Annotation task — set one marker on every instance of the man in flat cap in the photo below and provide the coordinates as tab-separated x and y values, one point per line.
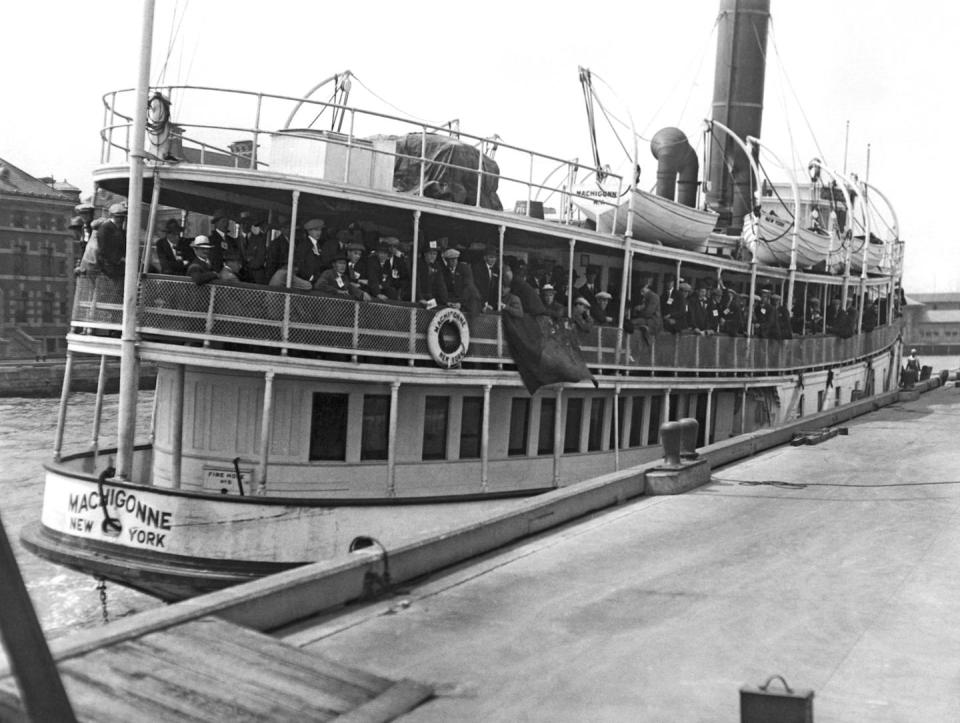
599	309
555	309
388	272
461	292
336	281
111	243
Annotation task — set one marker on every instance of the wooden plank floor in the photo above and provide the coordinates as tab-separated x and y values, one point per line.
211	670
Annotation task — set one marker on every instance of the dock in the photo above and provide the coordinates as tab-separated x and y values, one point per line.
829	564
832	565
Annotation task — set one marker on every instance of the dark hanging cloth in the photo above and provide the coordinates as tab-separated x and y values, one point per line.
544	352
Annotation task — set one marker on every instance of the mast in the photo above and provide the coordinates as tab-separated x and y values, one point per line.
737	104
129	376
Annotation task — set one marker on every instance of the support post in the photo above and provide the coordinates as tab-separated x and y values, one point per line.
129	376
485	440
62	411
265	430
558	436
176	432
392	440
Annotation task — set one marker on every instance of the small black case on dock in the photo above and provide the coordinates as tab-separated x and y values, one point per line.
762	704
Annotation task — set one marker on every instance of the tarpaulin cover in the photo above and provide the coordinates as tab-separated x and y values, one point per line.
544	352
455	182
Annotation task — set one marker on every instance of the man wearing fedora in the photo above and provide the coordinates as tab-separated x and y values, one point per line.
253	248
174	251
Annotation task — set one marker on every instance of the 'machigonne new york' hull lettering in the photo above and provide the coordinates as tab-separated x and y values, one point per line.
121	500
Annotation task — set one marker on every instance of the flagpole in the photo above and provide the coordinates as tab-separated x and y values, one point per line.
129	376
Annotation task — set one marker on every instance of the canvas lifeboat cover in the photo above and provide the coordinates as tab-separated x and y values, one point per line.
450	173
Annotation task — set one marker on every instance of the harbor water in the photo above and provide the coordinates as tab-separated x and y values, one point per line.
64	600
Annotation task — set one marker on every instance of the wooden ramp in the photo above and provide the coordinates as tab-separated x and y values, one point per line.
211	670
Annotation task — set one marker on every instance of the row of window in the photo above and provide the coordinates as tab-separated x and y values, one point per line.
328	435
18	309
934	333
22	263
42	221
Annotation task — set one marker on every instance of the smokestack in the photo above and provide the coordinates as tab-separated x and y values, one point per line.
738	104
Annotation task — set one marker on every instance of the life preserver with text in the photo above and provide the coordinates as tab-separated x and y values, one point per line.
448	337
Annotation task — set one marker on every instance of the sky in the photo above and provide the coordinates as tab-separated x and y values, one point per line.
510	68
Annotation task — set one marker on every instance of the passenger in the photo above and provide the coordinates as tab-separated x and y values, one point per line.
646	314
529	298
253	249
669	296
308	256
582	318
814	318
201	269
716	304
279	279
870	315
833	311
731	313
357	268
224	245
510	303
461	292
677	318
278	244
698	312
599	308
761	311
844	322
380	282
85	212
431	290
174	251
554	309
112	243
589	289
396	268
331	247
486	277
336	281
784	325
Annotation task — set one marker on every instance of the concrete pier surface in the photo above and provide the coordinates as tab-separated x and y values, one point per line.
836	566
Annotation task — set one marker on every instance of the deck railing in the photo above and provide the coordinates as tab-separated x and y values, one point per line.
241	129
263	319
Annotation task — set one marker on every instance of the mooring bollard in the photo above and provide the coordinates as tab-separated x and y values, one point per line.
670	439
689	429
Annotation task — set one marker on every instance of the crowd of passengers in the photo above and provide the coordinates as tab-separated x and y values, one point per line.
361	264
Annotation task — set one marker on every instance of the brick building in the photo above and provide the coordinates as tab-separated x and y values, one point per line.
932	323
36	264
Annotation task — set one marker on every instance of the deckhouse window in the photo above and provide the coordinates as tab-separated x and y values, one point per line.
328	430
653	433
519	419
595	438
636	422
548	415
374	437
471	422
436	413
571	437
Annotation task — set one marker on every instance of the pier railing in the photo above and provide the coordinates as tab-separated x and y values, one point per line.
267	320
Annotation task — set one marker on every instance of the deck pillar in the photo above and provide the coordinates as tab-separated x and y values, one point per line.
264	429
62	413
392	441
485	439
176	431
558	436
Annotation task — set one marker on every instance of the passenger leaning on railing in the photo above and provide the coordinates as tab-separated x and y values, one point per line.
431	290
336	281
308	251
253	249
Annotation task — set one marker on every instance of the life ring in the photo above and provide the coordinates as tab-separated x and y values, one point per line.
448	337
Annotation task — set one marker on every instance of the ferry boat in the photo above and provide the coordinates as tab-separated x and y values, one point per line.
293	426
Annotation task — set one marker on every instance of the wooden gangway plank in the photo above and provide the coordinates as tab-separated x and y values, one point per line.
208	669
